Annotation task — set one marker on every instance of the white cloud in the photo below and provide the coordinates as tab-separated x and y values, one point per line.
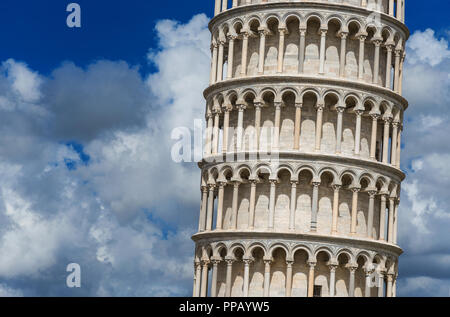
426	48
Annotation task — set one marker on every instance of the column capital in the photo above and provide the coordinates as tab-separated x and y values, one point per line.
372	193
294	183
342	34
323	31
336	187
316	184
340	109
212	186
333	266
248	260
277	104
205	262
258	104
389	46
377	41
375	116
283	30
289	262
232	37
204	189
387	120
299	105
229	260
320	106
352	267
312	264
355	189
264	32
241	106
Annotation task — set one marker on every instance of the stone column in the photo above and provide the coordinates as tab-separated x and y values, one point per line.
399	146
301	53
258	106
359	114
251	216
198	278
387	124
376	65
204	290
244	53
368	272
226	123
289	278
333	268
215	145
340	114
355	192
315	206
224	5
397	204
394	143
202	220
362	40
219	220
262	50
389	285
267	263
209	130
293	206
373	138
235	205
382	217
297	127
394	287
231	39
319	126
372	194
343	36
240	127
217	7
391	220
391	7
311	277
281	50
229	262
272	203
400	88
381	284
276	137
214	64
209	217
388	66
399	10
397	70
220	62
336	189
323	36
351	290
246	275
215	263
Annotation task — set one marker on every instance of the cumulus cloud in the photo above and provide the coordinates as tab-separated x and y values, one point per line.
87	175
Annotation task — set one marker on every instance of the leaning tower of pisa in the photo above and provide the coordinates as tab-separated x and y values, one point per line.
300	181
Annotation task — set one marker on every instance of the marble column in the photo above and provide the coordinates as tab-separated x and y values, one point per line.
311	277
251	216
262	50
382	217
245	36
319	122
367	289
246	275
219	224
340	114
394	143
289	278
355	192
351	287
342	57
391	220
315	206
202	221
220	61
277	124
214	63
397	70
293	206
336	189
272	204
240	128
387	125
397	204
235	205
381	284
376	63
229	275
388	65
204	289
258	106
226	124
399	146
359	114
215	264
267	264
373	138
362	41
231	39
389	285
198	279
297	127
282	32
209	131
372	194
323	36
301	53
333	268
209	216
215	143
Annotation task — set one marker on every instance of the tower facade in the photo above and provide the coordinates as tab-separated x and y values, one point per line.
300	181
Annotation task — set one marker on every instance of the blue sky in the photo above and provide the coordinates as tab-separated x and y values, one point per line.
85	122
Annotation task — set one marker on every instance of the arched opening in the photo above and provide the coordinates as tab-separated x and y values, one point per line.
312	47
287	121
308	124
